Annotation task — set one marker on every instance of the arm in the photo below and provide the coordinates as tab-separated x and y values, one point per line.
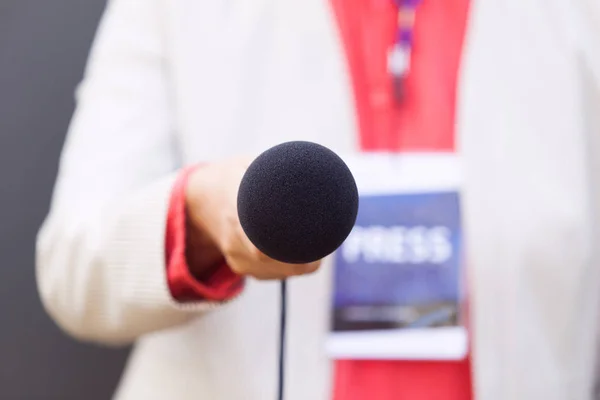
100	253
101	262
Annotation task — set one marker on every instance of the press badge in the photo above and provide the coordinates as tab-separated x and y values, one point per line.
398	276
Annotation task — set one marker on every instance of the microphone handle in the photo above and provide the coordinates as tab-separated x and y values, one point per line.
282	322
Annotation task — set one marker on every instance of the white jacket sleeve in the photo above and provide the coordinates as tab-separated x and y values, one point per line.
100	252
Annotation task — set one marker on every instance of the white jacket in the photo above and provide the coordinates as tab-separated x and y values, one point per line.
161	91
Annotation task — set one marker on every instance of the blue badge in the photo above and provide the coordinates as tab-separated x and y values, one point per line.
397	280
399	268
398	276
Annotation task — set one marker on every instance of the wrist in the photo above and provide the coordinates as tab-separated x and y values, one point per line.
197	203
202	252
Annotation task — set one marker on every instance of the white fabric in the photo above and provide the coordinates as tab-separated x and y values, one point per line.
175	82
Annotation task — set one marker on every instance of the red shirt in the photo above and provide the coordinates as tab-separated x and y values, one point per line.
424	122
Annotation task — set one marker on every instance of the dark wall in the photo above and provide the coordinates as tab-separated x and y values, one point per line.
43	47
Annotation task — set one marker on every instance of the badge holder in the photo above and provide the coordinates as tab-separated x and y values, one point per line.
398	277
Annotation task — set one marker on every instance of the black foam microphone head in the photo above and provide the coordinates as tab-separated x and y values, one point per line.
297	202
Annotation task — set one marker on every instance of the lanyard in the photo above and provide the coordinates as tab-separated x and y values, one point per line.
398	63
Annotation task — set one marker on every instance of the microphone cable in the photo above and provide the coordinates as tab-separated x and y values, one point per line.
282	322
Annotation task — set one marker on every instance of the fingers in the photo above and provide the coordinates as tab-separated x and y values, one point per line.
278	270
264	268
246	259
301	269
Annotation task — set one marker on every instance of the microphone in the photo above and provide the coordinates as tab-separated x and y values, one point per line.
297	202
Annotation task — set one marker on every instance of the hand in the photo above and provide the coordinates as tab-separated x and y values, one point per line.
212	212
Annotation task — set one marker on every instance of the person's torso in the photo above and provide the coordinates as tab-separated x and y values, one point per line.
248	74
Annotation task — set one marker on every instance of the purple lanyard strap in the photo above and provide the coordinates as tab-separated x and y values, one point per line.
399	54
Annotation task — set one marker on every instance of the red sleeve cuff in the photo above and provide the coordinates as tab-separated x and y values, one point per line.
222	284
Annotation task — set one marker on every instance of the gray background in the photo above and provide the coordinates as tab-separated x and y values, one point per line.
43	47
